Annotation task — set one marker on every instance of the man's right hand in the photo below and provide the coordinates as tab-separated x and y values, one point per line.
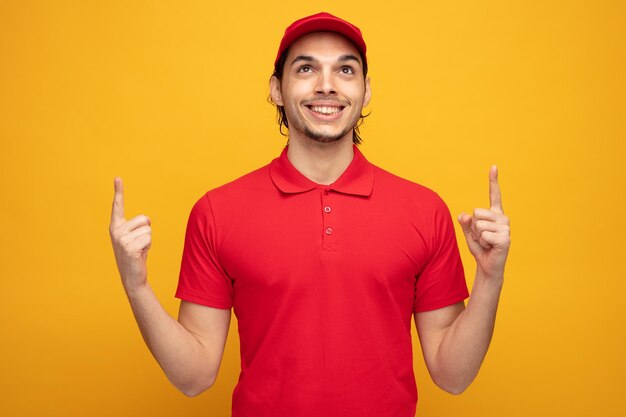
131	241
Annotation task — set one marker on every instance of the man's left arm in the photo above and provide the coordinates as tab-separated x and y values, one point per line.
455	338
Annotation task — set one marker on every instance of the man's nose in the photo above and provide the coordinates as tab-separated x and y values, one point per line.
326	82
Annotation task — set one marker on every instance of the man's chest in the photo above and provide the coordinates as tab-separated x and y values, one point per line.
352	242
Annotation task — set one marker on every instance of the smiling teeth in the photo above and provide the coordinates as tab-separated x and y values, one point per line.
325	110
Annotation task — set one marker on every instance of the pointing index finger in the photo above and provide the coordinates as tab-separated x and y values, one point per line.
495	198
117	212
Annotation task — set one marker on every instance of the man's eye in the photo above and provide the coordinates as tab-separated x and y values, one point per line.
304	68
347	70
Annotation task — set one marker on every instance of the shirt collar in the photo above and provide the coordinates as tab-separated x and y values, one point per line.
357	179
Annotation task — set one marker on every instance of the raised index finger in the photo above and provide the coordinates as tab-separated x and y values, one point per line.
117	212
495	198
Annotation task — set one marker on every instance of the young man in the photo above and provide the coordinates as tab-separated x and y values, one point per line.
324	259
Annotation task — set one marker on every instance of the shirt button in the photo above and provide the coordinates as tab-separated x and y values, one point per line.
329	231
327	209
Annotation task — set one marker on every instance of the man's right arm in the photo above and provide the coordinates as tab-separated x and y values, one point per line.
188	350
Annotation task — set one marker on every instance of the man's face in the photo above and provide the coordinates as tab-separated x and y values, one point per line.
323	89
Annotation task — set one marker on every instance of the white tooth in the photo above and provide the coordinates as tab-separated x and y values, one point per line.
325	109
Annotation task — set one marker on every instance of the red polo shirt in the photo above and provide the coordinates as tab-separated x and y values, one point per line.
324	280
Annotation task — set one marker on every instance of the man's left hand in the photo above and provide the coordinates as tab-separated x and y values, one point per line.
487	233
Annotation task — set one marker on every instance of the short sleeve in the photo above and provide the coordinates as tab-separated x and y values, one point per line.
442	280
202	278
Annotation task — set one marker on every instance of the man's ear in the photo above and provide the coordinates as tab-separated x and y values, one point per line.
368	92
275	93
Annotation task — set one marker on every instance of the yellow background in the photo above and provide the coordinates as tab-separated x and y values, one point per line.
172	97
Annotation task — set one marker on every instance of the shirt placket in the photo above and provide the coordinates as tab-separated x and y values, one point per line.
329	224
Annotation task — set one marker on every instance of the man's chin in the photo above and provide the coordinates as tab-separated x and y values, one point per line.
323	137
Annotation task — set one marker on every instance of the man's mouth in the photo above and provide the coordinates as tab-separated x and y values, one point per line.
326	110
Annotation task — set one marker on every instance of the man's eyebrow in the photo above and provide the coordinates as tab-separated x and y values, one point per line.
306	58
349	57
342	58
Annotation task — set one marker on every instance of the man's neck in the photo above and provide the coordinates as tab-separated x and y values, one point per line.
322	163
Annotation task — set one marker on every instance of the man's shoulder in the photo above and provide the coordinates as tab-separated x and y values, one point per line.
403	188
244	188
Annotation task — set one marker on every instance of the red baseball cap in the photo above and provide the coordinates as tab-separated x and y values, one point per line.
321	22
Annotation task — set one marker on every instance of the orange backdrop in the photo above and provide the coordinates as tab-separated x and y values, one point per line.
172	97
